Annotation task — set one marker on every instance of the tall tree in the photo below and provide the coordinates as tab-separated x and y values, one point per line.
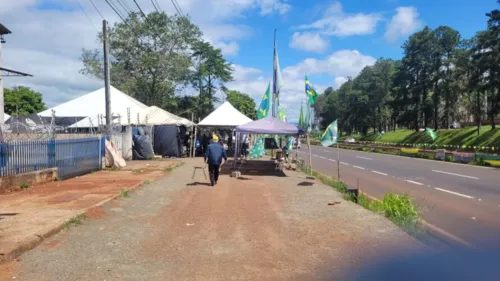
447	43
22	100
150	56
213	71
243	102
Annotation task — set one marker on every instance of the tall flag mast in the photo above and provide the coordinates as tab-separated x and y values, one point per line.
277	81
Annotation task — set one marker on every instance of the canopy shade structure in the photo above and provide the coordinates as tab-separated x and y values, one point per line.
154	115
270	125
225	116
93	104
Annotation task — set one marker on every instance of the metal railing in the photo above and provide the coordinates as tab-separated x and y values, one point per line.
72	157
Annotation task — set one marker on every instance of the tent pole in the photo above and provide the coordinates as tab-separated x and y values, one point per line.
235	156
193	143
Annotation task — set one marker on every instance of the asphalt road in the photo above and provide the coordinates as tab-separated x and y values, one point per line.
463	201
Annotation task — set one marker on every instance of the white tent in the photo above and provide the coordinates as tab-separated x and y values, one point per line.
5	117
92	105
154	115
225	116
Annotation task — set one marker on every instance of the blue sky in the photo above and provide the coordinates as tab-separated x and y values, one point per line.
328	40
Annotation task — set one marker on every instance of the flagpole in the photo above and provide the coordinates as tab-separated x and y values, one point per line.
274	76
338	153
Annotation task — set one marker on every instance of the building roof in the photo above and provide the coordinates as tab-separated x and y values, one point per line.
225	116
93	104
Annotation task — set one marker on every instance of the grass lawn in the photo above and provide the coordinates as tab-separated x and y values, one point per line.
465	136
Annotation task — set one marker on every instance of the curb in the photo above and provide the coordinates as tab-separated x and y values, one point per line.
35	240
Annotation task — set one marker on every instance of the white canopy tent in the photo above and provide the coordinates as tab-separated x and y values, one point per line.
225	116
154	115
93	105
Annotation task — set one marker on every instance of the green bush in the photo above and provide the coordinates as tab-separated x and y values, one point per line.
400	209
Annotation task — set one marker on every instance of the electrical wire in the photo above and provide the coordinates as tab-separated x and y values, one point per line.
113	8
177	8
152	2
157	5
97	9
140	10
83	10
124	6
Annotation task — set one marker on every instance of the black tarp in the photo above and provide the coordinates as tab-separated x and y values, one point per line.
167	141
142	149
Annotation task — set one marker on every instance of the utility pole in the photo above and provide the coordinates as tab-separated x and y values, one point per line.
1	89
107	94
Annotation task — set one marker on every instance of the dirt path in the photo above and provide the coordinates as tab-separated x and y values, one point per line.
260	228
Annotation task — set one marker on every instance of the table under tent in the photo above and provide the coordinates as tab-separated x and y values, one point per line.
266	126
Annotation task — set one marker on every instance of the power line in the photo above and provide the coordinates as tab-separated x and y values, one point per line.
124	6
113	8
96	9
157	5
83	10
153	2
140	10
177	8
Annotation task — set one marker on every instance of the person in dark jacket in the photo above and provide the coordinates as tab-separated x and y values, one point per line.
213	156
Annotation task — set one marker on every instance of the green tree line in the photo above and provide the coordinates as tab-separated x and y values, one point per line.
442	78
156	56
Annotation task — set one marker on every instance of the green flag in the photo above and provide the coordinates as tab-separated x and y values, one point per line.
310	92
282	114
263	110
301	118
431	133
329	136
307	119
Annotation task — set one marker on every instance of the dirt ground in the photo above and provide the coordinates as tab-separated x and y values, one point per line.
261	227
28	216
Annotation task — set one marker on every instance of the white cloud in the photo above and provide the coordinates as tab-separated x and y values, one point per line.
48	42
308	41
403	23
336	22
339	65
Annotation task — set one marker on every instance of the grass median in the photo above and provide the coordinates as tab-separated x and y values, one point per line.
399	208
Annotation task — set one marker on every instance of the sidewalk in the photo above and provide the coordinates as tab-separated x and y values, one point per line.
30	216
262	226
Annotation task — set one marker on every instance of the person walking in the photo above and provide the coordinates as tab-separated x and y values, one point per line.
213	157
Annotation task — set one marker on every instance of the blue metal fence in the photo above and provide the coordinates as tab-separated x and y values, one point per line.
72	157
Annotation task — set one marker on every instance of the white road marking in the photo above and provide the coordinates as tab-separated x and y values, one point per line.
453	174
326	150
366	158
473	218
414	182
453	192
333	160
322	157
383	174
358	167
343	163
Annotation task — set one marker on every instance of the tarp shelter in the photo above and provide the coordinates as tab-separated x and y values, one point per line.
168	140
93	104
154	115
225	116
268	125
